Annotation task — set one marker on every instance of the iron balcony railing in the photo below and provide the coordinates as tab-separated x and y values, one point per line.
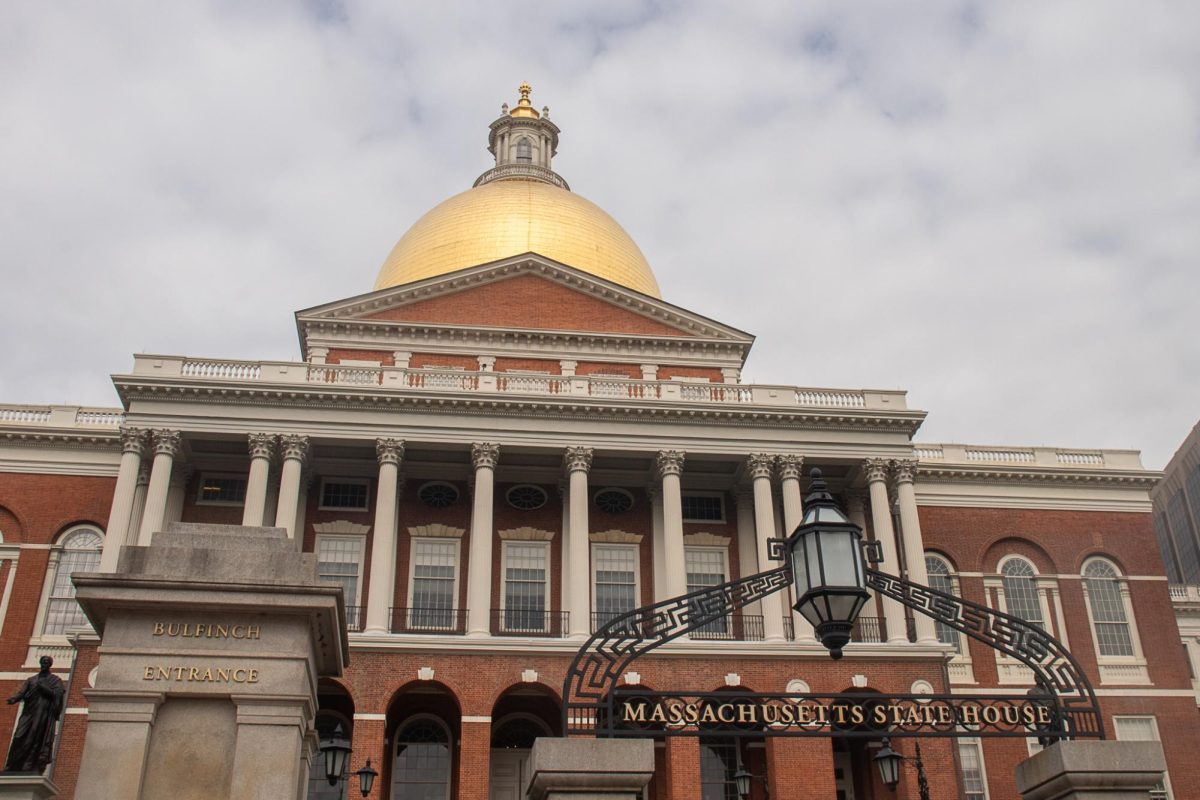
867	629
429	620
527	622
354	618
733	627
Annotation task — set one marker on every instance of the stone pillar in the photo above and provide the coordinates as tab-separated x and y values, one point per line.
117	744
26	786
905	471
881	520
759	466
578	461
180	475
117	533
793	513
166	447
262	448
1087	770
294	450
747	541
658	543
669	466
139	496
564	496
856	512
590	769
484	457
683	768
801	762
270	746
474	759
381	585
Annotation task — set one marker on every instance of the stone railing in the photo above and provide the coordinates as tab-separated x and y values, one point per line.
61	416
1027	456
516	383
522	171
1185	593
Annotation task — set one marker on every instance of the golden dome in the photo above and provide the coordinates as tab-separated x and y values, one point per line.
507	218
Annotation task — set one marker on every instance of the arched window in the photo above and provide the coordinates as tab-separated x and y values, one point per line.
80	553
1107	606
524	151
421	770
1021	592
939	572
328	724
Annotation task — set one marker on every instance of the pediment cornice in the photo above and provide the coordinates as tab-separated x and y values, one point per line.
1136	479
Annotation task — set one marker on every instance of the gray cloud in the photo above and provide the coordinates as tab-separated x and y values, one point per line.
993	207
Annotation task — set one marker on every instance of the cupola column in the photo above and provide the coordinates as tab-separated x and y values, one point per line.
905	472
166	447
262	448
760	465
669	466
381	586
578	461
116	536
484	457
881	521
294	449
793	512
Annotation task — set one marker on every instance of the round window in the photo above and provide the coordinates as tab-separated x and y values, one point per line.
614	501
526	497
437	494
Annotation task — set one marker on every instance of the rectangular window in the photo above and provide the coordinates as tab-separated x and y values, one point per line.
525	569
62	611
703	508
221	490
434	585
706	568
1142	729
970	756
344	494
339	560
614	579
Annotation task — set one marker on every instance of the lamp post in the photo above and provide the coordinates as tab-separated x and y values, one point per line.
336	749
891	764
825	552
366	778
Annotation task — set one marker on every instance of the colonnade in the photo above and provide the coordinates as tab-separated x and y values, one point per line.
143	498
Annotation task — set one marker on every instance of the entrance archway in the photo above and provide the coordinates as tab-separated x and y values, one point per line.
423	729
521	715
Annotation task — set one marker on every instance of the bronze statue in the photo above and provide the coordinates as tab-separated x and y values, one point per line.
33	742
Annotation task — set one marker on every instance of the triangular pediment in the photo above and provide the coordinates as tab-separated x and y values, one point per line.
528	292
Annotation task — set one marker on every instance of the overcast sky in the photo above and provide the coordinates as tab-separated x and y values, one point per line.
994	206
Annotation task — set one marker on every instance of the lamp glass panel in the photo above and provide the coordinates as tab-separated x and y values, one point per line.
840	552
800	568
812	552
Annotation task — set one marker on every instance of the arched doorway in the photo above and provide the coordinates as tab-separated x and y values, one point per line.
335	716
520	716
423	728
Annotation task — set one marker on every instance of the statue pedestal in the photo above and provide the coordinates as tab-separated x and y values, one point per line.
590	769
26	786
212	641
1092	771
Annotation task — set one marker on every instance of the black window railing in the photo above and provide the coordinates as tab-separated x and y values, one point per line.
354	618
867	629
429	620
529	622
789	628
733	628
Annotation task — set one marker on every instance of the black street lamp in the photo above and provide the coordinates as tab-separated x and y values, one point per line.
741	779
366	778
891	764
336	750
826	557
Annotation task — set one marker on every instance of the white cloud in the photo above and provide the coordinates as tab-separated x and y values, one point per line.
1001	199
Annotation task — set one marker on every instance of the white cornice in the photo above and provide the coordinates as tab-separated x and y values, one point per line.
1132	479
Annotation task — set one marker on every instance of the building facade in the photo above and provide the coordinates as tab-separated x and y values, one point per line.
512	439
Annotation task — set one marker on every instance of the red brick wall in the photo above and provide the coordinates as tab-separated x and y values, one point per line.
337	355
434	360
666	372
526	301
592	367
531	364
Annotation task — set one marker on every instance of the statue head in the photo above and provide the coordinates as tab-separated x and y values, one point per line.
47	662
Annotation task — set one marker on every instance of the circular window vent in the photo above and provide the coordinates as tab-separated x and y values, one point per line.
437	495
526	497
614	501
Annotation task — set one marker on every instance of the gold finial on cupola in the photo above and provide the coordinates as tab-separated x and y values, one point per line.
524	107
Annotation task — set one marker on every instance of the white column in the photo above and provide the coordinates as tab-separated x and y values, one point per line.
139	496
856	512
881	520
658	543
180	475
759	466
793	512
166	447
1192	644
669	466
578	461
262	448
381	585
117	533
747	541
564	495
479	573
294	450
914	545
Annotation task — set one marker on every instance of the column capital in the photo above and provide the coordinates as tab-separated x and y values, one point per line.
578	459
856	500
790	467
293	447
760	465
904	470
668	462
389	451
876	469
262	445
167	442
485	455
133	440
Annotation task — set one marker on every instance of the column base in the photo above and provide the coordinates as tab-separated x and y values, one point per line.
26	786
590	769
